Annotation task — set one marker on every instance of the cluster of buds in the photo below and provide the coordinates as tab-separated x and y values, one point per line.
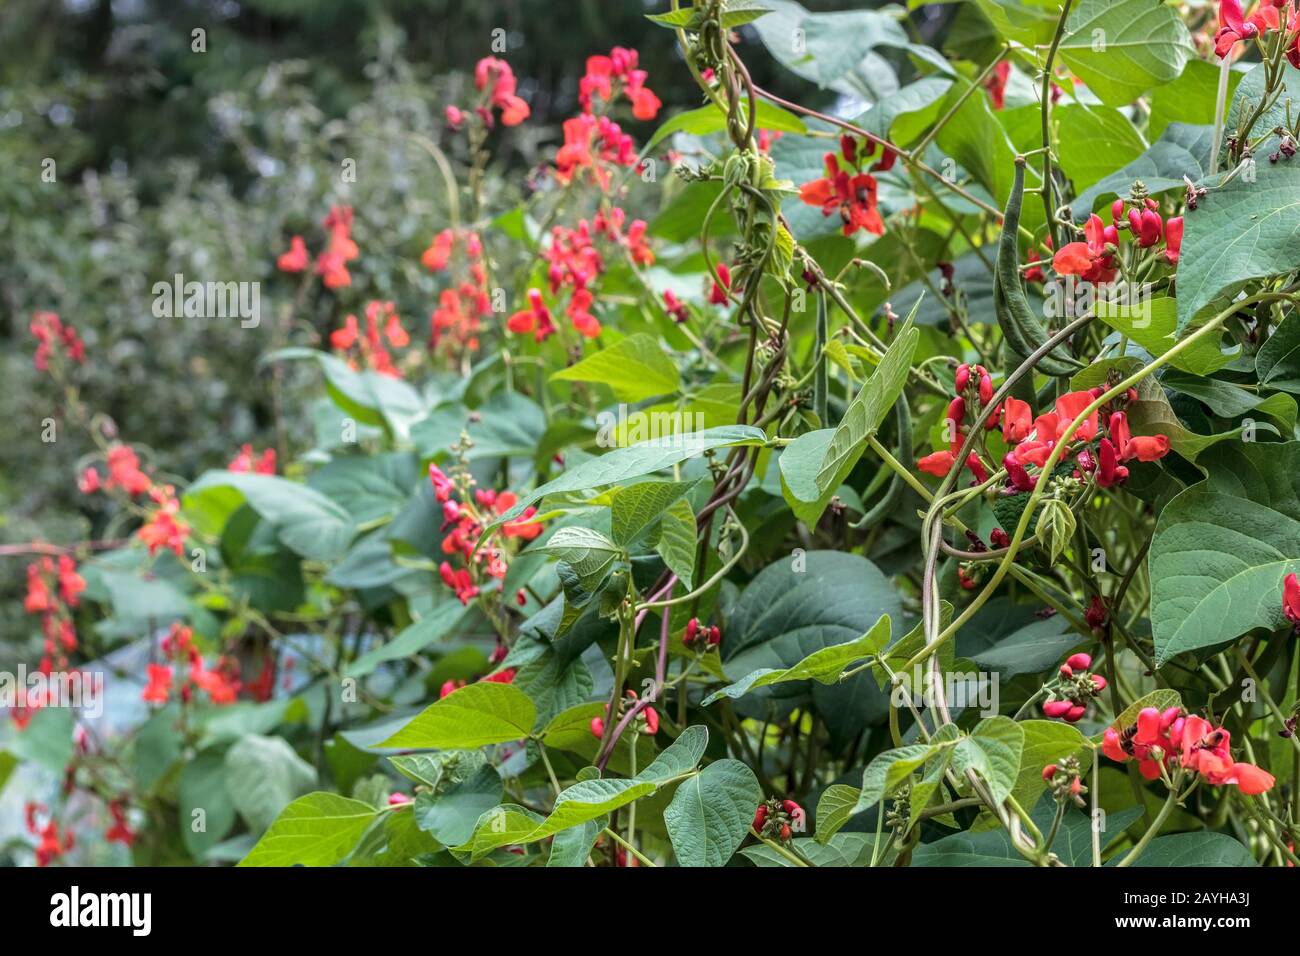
1065	781
1071	692
332	263
51	845
220	683
52	592
454	325
54	338
1285	149
974	388
370	349
708	637
645	722
779	819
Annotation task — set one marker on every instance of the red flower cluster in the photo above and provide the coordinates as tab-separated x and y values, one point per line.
779	818
1234	26
607	76
1115	446
1171	739
120	831
494	78
973	385
162	529
1070	694
52	335
645	722
264	464
52	591
455	322
220	683
852	196
996	84
51	845
332	263
466	515
1093	260
371	350
596	144
709	636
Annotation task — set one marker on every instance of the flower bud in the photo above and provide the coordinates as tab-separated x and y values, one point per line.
963	377
1080	661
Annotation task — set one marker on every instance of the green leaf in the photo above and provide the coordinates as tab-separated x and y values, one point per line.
888	770
308	523
450	815
1241	231
682	756
1151	325
824	665
1189	99
263	774
1277	363
710	813
710	119
868	409
369	488
434	626
473	716
635	369
834	809
587	552
636	507
1195	849
993	751
202	786
1055	526
1110	135
676	544
571	847
368	397
634	461
1046	742
1222	547
1122	48
316	830
507	425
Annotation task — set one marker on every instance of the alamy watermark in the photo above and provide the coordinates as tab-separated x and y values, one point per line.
82	690
660	429
208	300
960	690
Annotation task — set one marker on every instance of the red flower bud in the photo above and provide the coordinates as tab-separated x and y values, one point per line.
963	377
999	538
1056	708
760	818
1098	683
597	728
651	721
785	832
1080	661
692	629
1066	671
1049	771
715	636
1020	479
986	389
1075	714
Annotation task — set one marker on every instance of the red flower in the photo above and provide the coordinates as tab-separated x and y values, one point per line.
296	259
1174	233
937	464
854	198
1109	471
536	318
675	307
435	257
497	73
1233	28
162	531
996	84
124	471
120	831
244	462
1291	598
718	294
159	688
1089	260
1145	226
1017	421
331	264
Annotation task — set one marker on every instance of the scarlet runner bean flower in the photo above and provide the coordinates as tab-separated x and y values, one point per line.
220	683
1291	599
1235	27
698	633
1170	738
371	351
51	846
607	76
852	196
996	84
494	77
295	259
331	264
718	294
1089	260
675	307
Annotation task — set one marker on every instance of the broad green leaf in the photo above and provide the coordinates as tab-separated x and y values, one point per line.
710	813
451	814
1222	547
473	716
368	397
676	544
644	459
507	425
571	847
1195	849
369	488
263	775
308	523
834	809
841	850
1189	99
681	757
1277	363
1122	48
635	369
1112	140
1181	150
1241	231
824	665
636	507
993	750
202	786
1046	742
1037	647
587	552
1028	22
1151	325
319	829
868	409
